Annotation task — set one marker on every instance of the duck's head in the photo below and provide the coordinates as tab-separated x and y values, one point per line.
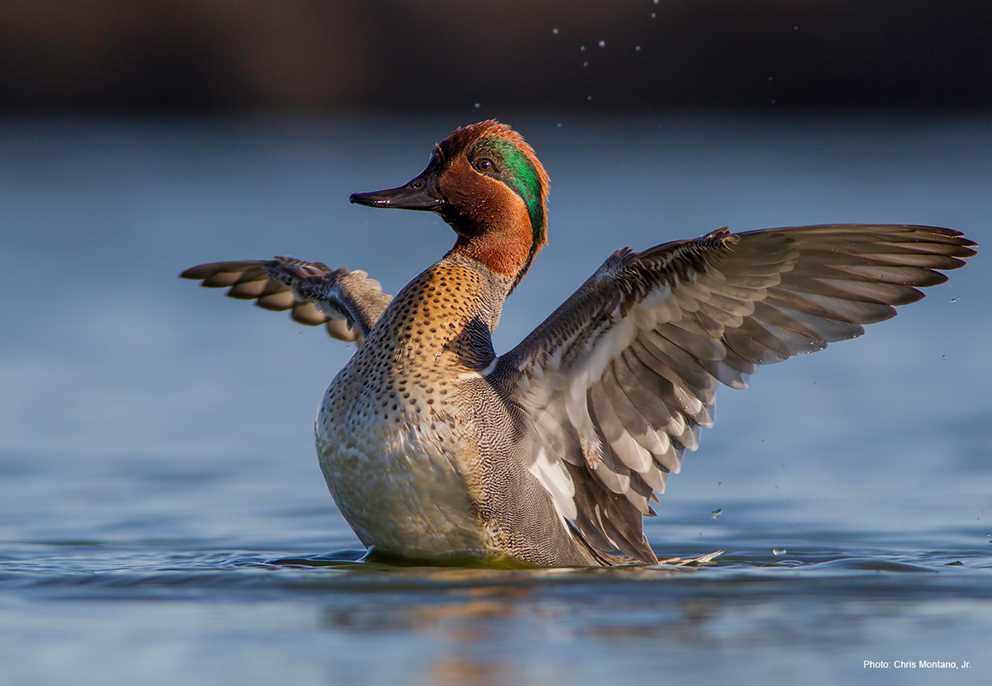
487	183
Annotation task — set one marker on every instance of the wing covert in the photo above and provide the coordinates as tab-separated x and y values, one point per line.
619	379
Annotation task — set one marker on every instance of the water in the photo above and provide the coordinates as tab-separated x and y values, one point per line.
164	519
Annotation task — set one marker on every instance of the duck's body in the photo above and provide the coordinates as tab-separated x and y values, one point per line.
395	433
435	449
418	448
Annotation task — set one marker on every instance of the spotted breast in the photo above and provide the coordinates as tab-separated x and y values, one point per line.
395	433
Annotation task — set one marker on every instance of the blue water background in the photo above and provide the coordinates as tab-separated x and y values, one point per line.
156	455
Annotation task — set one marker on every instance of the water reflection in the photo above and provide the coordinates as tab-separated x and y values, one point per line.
483	631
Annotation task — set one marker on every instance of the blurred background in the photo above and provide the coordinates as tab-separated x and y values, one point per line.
221	56
164	517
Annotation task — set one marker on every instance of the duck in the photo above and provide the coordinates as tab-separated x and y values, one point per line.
437	450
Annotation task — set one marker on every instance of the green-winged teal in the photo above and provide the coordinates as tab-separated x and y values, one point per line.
437	449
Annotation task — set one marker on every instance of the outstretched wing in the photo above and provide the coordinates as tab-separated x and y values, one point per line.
348	303
619	379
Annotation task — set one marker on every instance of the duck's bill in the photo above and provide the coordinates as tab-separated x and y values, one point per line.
402	198
420	193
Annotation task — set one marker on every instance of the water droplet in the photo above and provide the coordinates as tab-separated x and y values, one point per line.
559	125
779	552
588	98
601	43
554	31
637	48
582	48
954	300
796	27
653	15
655	1
477	105
717	512
771	78
586	63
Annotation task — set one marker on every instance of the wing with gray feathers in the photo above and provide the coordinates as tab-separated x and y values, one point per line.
619	379
348	303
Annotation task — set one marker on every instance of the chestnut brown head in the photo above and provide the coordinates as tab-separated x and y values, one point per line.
487	183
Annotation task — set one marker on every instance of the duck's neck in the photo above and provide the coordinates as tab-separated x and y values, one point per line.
506	245
483	290
444	318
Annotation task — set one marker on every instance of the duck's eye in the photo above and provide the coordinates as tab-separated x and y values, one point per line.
485	164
